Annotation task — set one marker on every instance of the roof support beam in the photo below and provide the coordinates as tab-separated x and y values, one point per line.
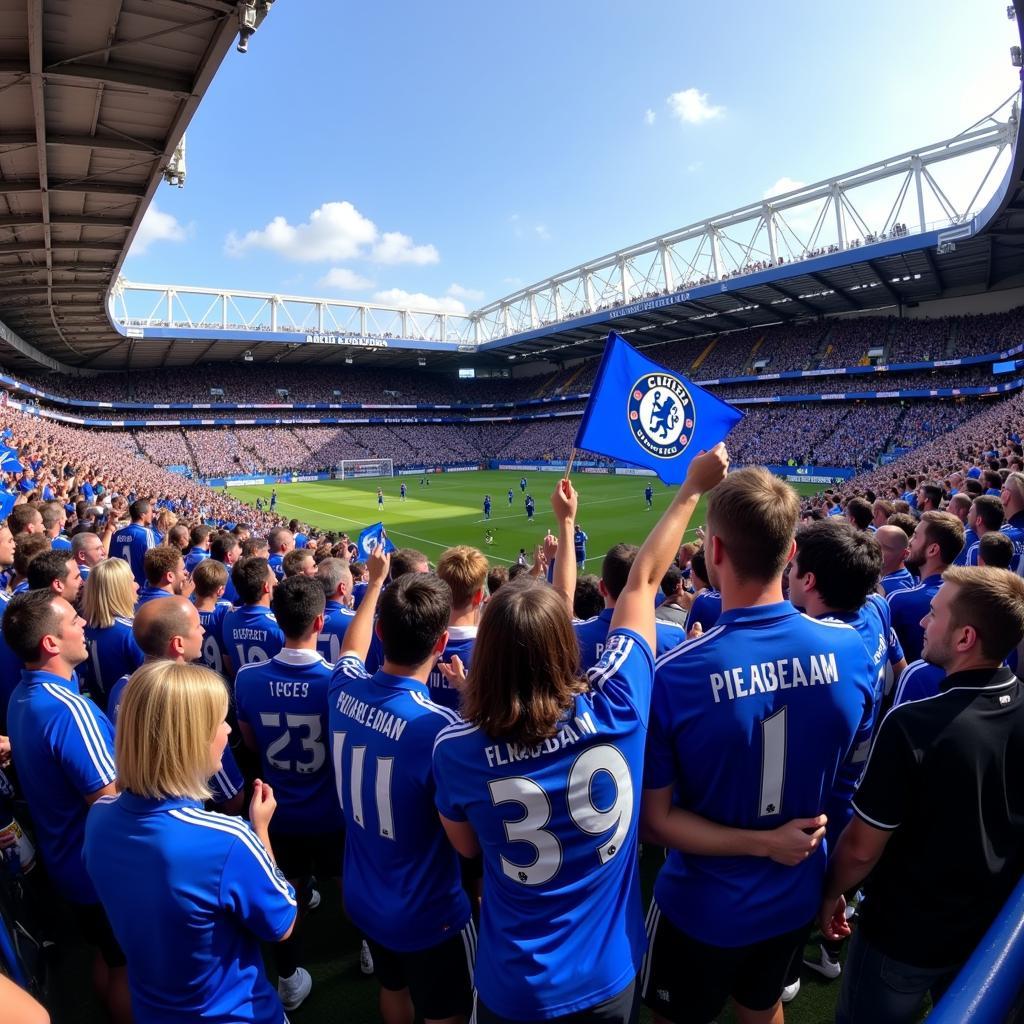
841	292
40	245
109	142
884	282
132	77
84	220
84	185
28	270
934	267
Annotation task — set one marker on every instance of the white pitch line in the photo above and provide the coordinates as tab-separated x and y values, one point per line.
390	532
546	512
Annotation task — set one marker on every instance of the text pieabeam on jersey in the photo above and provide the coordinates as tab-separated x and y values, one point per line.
769	676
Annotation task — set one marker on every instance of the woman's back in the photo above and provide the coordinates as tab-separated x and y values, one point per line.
562	926
189	894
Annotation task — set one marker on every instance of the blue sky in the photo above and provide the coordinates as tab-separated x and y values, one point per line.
454	152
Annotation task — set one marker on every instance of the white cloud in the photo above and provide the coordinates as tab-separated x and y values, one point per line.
782	186
344	280
469	294
541	231
419	300
394	247
692	106
157	226
335	231
649	116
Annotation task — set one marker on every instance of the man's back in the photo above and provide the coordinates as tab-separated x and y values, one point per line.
592	633
460	642
131	543
945	774
337	619
908	608
251	633
752	724
401	877
284	702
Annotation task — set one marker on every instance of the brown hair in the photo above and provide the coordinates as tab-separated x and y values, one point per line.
159	561
464	569
526	665
944	529
992	602
209	576
905	521
754	514
26	547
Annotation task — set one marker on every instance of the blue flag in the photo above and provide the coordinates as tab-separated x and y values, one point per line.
9	464
648	416
6	503
371	537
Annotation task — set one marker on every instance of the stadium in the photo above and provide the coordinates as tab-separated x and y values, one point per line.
869	327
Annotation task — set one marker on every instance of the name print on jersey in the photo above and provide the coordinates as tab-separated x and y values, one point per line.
769	676
373	718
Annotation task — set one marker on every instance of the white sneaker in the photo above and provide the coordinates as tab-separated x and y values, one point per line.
314	899
365	959
824	964
293	990
789	993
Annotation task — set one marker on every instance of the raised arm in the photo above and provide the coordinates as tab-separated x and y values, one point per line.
634	608
564	502
360	629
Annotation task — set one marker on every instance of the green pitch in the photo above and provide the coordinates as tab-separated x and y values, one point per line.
448	509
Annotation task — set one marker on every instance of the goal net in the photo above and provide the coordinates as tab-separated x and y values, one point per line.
349	469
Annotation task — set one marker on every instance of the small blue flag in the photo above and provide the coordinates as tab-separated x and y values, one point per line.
648	416
6	503
371	537
11	465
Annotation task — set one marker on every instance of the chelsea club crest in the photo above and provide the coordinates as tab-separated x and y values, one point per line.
661	415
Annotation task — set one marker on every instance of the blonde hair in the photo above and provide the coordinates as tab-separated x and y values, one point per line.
464	569
166	520
108	593
169	716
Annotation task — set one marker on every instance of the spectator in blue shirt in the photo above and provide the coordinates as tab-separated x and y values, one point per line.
88	551
227	548
56	571
335	577
63	751
199	545
190	894
280	542
164	575
131	542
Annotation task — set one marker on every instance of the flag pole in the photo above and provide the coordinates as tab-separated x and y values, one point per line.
568	465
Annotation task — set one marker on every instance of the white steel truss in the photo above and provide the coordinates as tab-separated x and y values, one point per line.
937	186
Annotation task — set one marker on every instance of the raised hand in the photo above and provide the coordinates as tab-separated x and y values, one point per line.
564	501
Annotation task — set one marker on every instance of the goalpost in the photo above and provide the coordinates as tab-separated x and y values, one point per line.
350	469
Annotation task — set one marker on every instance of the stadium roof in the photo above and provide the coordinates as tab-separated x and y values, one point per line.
96	95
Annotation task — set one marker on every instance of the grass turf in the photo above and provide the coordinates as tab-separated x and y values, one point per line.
450	510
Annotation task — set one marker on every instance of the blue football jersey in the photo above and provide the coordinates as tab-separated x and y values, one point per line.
113	653
752	724
402	880
213	640
901	579
276	562
190	896
561	927
1014	529
920	679
131	543
591	634
63	748
908	608
148	593
194	557
970	539
284	703
706	608
251	633
337	619
460	642
10	667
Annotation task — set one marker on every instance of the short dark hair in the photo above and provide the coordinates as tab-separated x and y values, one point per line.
222	545
46	567
933	492
989	510
944	529
137	509
253	544
51	513
496	576
296	603
699	566
846	562
21	516
860	512
995	549
587	601
412	614
177	536
670	581
28	546
198	534
615	568
905	521
249	576
29	617
517	570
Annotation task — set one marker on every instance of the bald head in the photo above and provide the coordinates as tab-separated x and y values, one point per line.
894	544
169	628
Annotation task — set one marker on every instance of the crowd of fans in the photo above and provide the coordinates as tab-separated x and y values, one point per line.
128	780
